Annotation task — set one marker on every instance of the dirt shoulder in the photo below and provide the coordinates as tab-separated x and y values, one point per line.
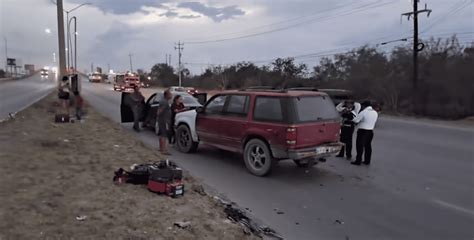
52	173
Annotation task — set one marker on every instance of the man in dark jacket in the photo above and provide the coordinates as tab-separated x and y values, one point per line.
137	102
347	111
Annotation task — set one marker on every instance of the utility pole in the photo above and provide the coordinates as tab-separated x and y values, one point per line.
179	47
417	47
62	47
6	54
92	68
131	66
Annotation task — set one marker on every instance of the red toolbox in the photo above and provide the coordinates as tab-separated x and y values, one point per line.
167	180
173	188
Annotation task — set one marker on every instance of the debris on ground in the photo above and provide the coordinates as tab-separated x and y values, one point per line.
337	221
182	224
250	226
81	218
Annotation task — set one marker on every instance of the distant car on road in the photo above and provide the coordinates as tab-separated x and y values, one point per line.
44	72
265	126
95	77
177	89
151	108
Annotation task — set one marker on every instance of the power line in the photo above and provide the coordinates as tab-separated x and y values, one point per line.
453	10
352	11
245	31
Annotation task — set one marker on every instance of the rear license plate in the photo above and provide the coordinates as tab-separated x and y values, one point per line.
322	150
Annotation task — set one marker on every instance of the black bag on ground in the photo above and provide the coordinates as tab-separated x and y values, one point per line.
61	118
166	170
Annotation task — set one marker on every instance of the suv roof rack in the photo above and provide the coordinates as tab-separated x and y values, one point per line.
263	89
303	89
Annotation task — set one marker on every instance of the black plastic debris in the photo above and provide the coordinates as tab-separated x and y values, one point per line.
182	224
337	221
238	216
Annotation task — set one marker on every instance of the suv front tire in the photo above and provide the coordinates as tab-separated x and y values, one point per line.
184	140
258	158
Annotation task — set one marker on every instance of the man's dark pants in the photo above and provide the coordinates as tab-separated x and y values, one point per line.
364	145
346	138
137	110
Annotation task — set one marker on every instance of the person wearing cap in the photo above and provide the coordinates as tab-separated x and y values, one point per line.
365	120
348	111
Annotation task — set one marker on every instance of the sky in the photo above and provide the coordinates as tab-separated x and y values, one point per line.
220	32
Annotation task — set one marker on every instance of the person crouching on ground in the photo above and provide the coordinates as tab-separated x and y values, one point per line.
176	107
366	120
137	106
79	105
163	117
347	111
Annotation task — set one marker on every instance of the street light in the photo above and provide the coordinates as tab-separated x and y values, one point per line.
68	39
75	40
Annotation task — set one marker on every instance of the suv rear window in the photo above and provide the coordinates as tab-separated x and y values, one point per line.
268	109
314	108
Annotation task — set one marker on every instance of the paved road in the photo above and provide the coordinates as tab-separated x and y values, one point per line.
420	185
16	95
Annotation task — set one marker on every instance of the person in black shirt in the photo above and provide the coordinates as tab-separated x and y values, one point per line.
348	113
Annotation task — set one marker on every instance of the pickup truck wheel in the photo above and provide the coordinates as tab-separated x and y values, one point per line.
258	158
184	140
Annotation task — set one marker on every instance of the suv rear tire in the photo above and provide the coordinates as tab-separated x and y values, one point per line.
184	140
258	158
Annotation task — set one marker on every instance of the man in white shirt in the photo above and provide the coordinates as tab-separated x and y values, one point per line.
366	120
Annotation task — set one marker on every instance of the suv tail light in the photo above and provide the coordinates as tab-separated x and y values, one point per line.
291	136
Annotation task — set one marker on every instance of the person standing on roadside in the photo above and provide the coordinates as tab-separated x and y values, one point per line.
79	102
366	120
63	94
176	107
163	117
137	101
347	111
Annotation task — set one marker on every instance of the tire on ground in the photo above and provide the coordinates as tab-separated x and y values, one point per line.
184	140
258	157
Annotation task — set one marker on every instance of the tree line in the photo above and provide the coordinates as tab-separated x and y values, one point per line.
444	90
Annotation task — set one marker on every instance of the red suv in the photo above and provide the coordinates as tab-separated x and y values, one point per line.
265	126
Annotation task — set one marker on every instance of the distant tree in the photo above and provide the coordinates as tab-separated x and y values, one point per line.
163	75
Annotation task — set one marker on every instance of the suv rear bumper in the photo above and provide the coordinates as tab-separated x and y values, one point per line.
320	151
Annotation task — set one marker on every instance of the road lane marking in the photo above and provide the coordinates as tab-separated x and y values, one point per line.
453	207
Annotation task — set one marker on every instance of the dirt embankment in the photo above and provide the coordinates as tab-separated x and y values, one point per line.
51	174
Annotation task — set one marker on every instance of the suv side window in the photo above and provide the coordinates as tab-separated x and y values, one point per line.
216	105
237	105
268	109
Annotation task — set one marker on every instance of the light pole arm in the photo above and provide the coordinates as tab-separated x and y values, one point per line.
79	6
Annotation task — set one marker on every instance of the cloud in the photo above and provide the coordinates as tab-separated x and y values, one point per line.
215	13
169	14
122	6
189	16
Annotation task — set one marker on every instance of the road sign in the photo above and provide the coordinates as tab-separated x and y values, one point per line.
11	62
